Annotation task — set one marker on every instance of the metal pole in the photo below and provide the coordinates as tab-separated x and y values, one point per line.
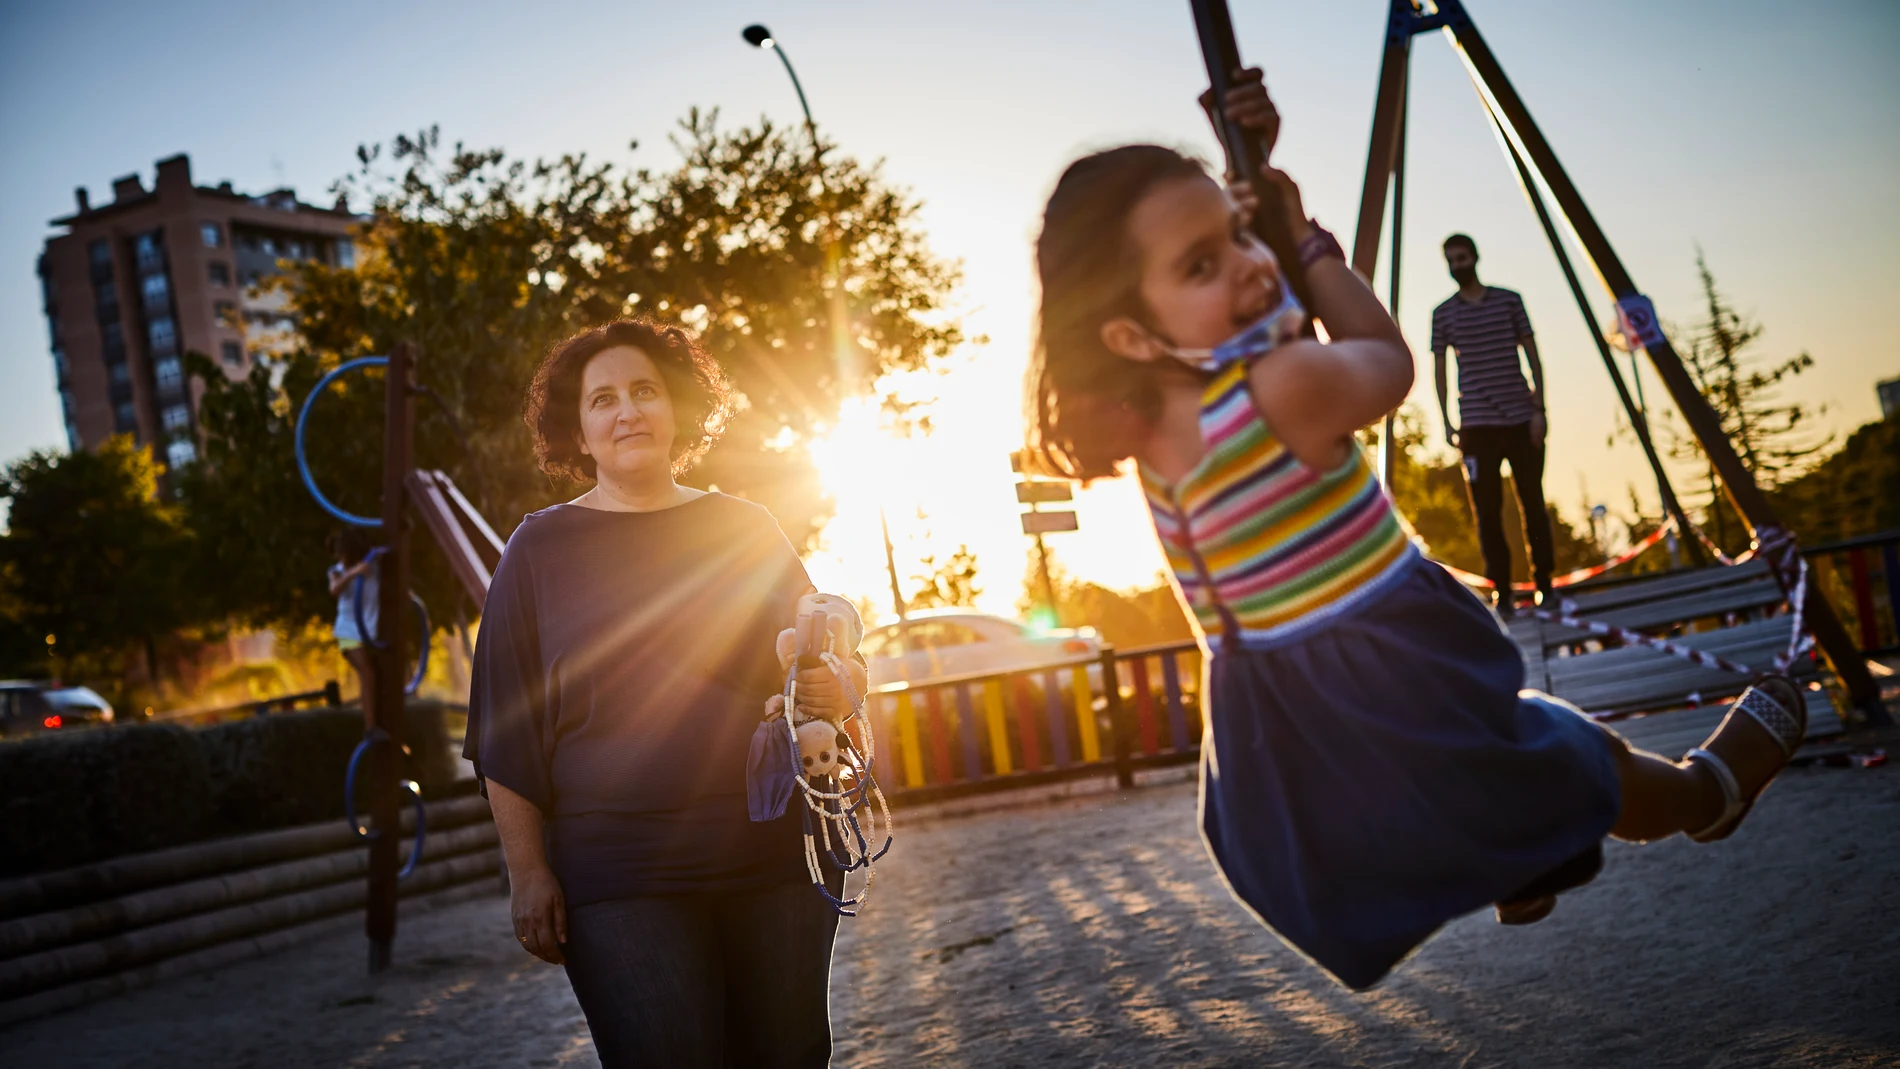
1222	56
1382	154
810	126
1664	489
1749	500
1388	446
1048	584
384	707
890	562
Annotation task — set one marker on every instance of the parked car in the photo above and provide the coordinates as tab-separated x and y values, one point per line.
955	642
28	708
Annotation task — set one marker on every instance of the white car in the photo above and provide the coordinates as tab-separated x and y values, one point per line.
936	644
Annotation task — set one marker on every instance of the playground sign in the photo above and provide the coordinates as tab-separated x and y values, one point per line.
1637	318
1036	523
1029	493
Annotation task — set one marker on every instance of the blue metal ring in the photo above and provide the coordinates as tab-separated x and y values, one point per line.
303	465
415	793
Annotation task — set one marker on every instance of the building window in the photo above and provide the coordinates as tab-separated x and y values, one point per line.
233	353
156	289
213	235
180	453
100	253
112	341
125	419
226	313
220	274
267	246
177	418
253	277
151	256
163	335
119	372
346	254
169	373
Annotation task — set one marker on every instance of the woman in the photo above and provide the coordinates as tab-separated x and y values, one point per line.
626	651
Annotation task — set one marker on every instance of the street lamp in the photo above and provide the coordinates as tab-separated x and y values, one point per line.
759	37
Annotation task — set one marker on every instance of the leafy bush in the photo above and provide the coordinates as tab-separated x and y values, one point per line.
72	799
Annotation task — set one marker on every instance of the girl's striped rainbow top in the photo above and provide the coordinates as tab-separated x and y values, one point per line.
1256	538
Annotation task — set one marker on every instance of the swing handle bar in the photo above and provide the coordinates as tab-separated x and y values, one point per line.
1221	53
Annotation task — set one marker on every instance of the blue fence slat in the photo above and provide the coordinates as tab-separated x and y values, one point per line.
1177	714
967	730
1058	730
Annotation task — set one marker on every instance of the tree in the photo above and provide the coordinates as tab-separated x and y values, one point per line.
261	558
949	585
1855	491
92	558
1126	619
483	261
1772	436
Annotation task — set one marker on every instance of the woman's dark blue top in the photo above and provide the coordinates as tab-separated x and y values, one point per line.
623	661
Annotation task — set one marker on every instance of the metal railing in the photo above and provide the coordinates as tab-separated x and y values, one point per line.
329	695
1862	580
1115	712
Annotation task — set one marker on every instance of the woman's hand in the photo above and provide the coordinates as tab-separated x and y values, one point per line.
539	911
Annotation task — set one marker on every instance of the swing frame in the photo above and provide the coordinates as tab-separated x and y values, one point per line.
1534	160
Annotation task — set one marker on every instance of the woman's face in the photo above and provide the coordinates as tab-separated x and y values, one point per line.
626	413
1204	276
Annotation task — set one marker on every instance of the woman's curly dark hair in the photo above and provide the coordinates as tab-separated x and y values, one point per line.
702	398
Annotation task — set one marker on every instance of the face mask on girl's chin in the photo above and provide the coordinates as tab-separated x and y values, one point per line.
1272	330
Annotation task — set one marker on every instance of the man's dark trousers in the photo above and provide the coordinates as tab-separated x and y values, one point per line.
1485	449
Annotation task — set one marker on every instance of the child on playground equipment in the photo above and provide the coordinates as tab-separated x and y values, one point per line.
351	551
1371	769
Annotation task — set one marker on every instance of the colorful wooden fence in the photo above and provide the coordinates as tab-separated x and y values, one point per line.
1115	712
1862	578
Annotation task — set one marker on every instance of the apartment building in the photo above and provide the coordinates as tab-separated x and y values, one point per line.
130	286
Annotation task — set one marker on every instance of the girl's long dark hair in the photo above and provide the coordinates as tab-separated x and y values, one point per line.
1087	406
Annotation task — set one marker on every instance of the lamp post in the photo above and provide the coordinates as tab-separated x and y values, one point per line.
758	36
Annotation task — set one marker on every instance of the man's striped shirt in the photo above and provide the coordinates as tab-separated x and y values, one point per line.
1491	387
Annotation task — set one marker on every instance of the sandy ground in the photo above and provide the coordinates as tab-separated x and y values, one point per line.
1094	931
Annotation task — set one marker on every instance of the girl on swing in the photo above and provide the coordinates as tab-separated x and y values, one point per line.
1371	768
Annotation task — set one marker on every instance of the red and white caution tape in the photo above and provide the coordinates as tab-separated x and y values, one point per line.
1570	578
1791	570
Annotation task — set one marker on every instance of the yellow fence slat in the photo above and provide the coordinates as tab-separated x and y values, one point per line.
999	734
1085	715
907	738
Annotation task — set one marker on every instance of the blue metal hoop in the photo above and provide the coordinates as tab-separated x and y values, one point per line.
303	464
370	739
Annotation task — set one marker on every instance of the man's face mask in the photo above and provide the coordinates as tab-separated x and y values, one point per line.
1272	330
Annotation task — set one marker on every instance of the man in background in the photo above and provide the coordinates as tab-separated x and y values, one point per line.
1500	417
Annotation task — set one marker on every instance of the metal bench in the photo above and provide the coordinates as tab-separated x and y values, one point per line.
1661	703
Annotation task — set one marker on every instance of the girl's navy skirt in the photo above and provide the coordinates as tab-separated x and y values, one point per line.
1366	783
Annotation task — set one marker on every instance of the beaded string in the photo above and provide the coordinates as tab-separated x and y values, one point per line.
839	810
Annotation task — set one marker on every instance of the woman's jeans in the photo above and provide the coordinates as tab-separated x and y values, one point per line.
685	981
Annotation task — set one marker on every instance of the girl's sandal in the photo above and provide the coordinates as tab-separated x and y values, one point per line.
1785	721
1526	911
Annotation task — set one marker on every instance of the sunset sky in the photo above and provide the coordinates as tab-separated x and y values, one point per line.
1761	132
